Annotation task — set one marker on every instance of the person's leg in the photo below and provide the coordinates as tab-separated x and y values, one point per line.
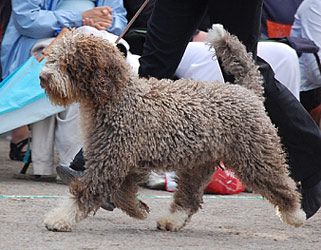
68	139
18	143
19	134
240	18
199	63
284	62
42	146
300	136
171	27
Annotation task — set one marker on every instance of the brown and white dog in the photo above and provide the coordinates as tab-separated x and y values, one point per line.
134	125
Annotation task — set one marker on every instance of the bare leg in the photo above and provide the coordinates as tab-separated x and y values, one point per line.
187	198
19	134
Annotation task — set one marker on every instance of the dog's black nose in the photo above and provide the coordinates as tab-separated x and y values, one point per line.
43	78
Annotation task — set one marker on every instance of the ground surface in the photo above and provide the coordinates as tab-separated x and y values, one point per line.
225	222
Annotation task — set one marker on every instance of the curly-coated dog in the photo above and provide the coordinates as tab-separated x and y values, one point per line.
134	125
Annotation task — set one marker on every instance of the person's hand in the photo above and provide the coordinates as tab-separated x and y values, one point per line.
99	17
201	36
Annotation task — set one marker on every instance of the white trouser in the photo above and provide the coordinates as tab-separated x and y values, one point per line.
199	63
284	62
60	131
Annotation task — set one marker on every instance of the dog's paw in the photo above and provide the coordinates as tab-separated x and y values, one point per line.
216	33
173	222
57	225
142	210
144	206
296	218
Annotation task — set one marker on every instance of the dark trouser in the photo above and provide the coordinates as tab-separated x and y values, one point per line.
171	27
299	133
173	22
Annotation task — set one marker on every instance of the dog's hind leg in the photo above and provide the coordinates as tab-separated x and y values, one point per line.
126	197
187	198
261	166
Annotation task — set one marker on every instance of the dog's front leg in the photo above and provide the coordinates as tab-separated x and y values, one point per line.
62	218
187	198
126	197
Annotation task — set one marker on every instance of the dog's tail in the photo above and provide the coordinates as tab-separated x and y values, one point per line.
235	59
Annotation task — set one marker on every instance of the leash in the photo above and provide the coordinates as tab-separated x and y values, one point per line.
132	21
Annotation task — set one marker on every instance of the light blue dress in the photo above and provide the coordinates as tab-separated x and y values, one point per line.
307	24
36	19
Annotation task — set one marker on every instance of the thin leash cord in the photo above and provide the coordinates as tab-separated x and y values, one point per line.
131	21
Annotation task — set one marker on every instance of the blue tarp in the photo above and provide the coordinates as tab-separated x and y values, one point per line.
21	90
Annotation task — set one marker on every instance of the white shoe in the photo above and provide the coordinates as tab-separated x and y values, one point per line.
156	181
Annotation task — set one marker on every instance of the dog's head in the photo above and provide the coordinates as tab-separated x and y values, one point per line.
83	67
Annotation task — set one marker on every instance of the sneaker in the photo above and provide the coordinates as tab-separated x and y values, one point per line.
311	199
170	182
156	181
67	174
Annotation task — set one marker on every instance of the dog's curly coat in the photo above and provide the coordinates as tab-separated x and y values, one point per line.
133	125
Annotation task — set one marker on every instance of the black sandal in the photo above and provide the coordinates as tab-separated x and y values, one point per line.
16	153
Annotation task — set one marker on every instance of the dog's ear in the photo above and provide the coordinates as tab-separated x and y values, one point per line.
121	47
98	68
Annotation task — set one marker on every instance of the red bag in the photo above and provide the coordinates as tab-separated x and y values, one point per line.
224	182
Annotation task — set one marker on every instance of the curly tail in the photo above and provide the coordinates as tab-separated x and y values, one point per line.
235	59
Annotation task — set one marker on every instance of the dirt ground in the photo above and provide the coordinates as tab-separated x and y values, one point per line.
244	221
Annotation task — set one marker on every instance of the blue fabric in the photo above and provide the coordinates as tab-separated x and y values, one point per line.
76	5
22	87
36	19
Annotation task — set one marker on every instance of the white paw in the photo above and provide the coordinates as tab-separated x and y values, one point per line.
58	225
63	217
296	218
216	33
173	222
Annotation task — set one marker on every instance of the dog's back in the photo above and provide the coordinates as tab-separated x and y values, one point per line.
193	117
